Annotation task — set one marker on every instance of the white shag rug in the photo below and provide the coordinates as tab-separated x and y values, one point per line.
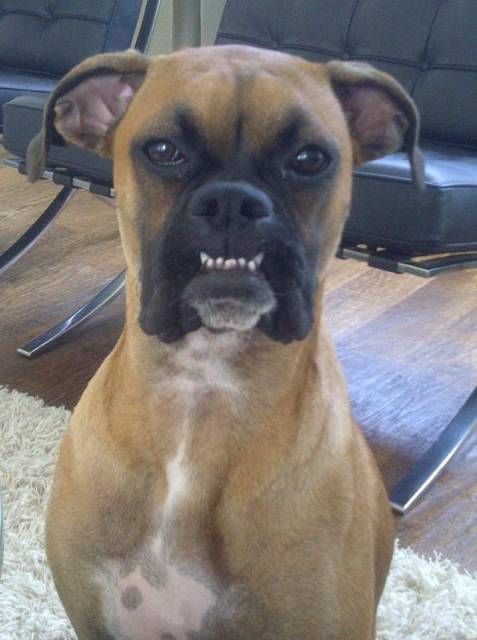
423	600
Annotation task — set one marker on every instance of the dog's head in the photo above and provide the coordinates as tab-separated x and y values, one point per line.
232	167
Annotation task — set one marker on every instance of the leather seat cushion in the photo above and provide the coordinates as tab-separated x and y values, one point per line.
388	211
14	82
23	118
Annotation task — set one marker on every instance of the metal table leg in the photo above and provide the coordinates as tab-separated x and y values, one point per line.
37	229
426	470
39	344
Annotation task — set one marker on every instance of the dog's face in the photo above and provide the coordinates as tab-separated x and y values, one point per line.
233	171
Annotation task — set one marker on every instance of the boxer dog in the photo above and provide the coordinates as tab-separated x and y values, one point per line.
212	484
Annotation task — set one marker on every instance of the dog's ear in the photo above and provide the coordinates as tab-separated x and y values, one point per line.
87	104
382	118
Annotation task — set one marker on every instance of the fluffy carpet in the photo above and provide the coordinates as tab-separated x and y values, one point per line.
424	599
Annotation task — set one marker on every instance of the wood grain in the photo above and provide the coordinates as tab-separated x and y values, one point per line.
408	348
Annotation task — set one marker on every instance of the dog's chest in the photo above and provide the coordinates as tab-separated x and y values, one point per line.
166	589
148	596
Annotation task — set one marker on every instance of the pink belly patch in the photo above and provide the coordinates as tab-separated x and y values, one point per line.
160	605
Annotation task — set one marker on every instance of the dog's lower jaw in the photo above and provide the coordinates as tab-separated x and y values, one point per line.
217	315
231	314
280	322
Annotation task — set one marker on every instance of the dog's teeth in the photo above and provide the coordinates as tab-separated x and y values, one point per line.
258	259
231	263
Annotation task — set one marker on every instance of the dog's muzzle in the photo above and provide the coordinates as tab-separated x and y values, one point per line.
230	292
227	261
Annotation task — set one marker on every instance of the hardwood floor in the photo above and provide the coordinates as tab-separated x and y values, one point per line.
408	347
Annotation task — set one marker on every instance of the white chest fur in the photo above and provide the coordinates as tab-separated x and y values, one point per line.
177	479
204	362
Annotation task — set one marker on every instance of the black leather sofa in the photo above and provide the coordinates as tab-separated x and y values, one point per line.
431	48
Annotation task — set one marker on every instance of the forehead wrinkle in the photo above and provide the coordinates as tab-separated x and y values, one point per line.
186	122
267	100
233	116
216	111
242	86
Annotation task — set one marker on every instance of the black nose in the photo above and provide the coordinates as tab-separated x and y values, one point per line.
223	203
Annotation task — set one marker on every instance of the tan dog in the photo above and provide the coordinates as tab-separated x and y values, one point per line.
212	484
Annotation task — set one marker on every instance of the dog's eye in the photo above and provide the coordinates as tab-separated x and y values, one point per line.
165	153
309	161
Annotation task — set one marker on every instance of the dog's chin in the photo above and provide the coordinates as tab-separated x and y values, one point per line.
227	314
229	301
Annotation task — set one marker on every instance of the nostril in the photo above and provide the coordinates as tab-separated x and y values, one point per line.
213	208
253	208
208	208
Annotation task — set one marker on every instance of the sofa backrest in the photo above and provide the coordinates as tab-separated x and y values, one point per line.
52	36
430	46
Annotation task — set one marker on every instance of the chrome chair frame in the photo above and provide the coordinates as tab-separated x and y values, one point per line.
108	293
426	470
37	229
432	463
